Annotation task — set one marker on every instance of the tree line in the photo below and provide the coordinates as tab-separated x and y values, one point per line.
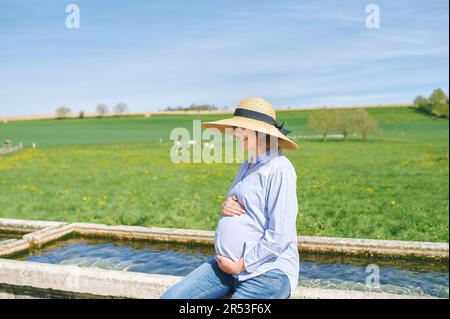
436	104
192	107
101	109
344	122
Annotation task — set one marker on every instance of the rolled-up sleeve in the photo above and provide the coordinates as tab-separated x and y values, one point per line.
282	207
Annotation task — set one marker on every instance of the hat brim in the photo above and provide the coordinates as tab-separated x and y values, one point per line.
251	124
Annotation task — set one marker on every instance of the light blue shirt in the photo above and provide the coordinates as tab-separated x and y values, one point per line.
266	235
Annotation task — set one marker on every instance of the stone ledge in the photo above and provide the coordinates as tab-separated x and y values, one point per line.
152	233
48	234
35	239
26	225
11	247
119	284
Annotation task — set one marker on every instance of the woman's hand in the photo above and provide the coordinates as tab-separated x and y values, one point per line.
231	207
230	267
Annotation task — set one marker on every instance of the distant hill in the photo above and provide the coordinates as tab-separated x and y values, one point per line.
178	112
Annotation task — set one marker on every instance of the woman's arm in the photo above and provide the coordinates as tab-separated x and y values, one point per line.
282	208
231	207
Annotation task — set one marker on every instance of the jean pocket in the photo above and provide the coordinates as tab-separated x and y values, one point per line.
275	273
274	276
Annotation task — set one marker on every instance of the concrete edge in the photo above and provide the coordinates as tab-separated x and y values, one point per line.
26	225
122	284
391	248
406	251
43	236
34	239
4	242
360	242
94	281
11	247
320	293
151	233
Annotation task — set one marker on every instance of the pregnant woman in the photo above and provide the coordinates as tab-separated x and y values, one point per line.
256	238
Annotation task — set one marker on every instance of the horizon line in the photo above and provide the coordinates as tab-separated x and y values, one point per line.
75	115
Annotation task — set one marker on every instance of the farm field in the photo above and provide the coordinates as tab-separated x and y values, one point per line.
116	171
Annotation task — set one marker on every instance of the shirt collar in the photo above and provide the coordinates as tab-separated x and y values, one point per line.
269	155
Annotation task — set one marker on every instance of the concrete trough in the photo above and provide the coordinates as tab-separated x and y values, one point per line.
49	231
119	284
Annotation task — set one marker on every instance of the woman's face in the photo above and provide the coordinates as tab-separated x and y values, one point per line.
251	139
247	137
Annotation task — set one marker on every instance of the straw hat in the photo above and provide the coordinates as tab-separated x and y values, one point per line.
258	115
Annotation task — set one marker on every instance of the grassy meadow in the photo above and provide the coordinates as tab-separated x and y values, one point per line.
116	171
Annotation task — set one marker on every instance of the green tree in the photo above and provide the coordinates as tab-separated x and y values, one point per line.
439	102
364	124
102	110
436	104
422	103
323	122
121	108
346	123
62	112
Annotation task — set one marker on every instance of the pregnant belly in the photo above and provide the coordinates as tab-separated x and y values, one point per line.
232	233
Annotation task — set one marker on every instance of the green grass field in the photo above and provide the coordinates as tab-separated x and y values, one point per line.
115	171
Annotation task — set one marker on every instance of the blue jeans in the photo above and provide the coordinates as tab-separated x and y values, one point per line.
208	281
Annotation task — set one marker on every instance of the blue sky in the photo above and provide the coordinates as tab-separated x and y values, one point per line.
151	54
